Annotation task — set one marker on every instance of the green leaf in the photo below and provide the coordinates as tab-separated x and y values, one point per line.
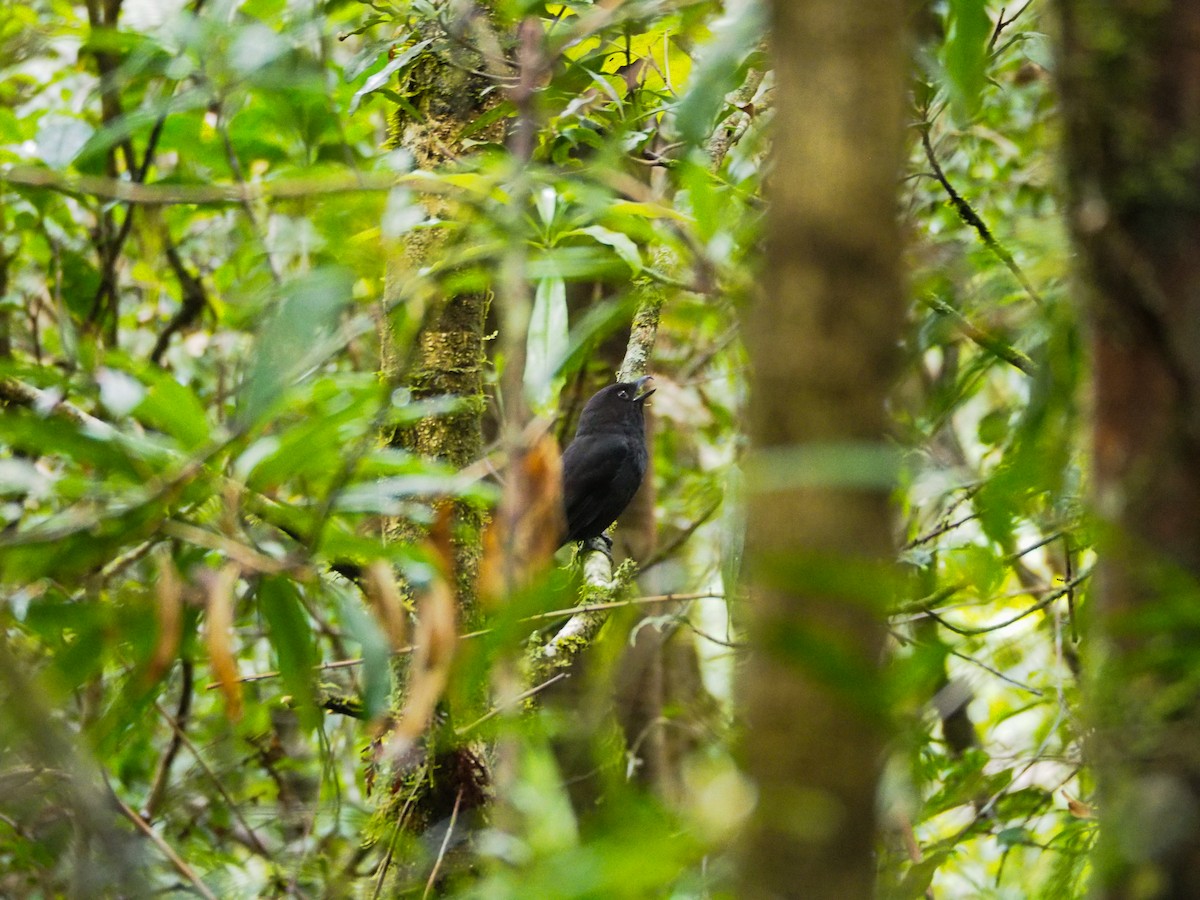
76	632
547	344
380	78
291	635
33	434
702	196
965	54
174	409
918	878
376	653
718	72
622	244
1011	836
296	339
994	426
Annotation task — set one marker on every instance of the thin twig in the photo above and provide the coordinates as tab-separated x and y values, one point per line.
998	347
968	215
997	673
1002	23
681	538
938	532
510	704
255	841
180	866
216	194
445	843
1041	604
163	774
582	609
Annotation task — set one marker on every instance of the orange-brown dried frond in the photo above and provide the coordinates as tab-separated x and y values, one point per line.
436	639
541	520
168	608
521	539
217	629
490	585
441	539
1078	808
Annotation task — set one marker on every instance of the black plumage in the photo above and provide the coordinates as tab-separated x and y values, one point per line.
604	465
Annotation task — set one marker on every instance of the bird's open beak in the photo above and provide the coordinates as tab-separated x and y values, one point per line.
642	393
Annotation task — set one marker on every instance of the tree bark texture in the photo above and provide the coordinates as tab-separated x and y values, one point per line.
450	354
448	777
823	342
1130	74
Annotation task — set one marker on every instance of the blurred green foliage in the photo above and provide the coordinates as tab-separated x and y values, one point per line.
194	383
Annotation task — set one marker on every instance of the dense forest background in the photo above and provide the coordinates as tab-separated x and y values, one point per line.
299	299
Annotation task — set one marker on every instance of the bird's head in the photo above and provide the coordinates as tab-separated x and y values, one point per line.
616	404
634	391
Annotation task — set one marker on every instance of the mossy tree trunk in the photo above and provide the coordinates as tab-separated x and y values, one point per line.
450	354
823	343
449	358
1131	94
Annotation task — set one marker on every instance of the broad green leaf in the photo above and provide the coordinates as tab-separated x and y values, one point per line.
174	409
295	339
55	436
965	53
622	244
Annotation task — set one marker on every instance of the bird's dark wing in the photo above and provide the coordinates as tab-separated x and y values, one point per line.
595	471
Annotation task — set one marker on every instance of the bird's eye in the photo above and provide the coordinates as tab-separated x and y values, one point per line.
624	395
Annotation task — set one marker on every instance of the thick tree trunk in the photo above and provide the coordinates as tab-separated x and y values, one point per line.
1131	93
823	343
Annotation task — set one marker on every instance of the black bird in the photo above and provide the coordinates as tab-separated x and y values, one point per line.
603	466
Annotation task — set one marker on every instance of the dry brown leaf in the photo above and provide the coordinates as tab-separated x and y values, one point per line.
489	586
1078	808
168	608
436	639
384	595
441	540
521	539
217	629
541	521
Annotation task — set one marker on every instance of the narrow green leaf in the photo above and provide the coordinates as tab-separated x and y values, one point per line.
547	343
718	72
380	78
376	654
291	635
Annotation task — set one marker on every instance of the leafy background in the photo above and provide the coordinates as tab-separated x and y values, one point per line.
197	403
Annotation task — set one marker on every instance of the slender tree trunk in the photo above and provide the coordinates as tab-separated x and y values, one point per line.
448	777
823	343
1131	93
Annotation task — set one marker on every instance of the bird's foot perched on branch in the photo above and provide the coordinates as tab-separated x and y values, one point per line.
601	544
